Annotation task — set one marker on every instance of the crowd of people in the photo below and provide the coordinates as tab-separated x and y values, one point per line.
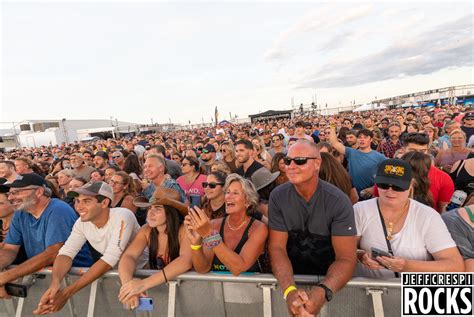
366	194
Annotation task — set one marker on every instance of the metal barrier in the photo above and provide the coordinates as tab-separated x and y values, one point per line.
212	294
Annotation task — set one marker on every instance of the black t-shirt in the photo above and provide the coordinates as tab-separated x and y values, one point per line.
469	132
252	169
311	224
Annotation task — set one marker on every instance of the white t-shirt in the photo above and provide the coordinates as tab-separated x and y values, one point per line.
422	234
111	240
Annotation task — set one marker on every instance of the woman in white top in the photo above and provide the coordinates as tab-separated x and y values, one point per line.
416	234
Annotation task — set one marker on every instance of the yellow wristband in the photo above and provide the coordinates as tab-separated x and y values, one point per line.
288	290
196	247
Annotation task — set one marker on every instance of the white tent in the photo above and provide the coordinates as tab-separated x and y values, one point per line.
380	106
364	107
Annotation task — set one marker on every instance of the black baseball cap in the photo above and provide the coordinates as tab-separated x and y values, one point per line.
25	180
209	148
394	172
102	154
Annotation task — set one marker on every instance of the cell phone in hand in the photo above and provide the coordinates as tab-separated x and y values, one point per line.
194	200
17	290
377	252
145	304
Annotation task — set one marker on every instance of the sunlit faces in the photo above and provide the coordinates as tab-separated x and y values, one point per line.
186	167
300	174
96	177
457	139
212	193
235	200
242	153
152	168
76	161
6	207
23	198
88	207
156	216
5	170
63	179
21	167
394	132
117	184
364	141
99	162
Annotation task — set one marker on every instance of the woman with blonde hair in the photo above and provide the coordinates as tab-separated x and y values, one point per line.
228	155
233	243
124	191
457	152
260	153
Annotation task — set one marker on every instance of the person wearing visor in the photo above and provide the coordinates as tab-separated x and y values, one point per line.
398	234
108	230
40	225
165	238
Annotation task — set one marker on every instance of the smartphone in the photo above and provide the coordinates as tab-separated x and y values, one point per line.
194	200
17	290
377	252
145	304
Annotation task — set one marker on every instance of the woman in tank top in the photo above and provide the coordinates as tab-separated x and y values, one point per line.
124	191
166	241
233	243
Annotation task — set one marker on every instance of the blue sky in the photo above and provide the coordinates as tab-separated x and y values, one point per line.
178	60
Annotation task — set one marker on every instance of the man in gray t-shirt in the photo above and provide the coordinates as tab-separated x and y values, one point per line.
312	231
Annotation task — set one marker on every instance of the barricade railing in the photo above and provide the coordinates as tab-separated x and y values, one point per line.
212	294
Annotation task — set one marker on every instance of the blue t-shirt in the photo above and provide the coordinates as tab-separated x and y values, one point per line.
53	226
363	167
168	183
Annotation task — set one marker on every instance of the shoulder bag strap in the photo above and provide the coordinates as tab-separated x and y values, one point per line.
389	245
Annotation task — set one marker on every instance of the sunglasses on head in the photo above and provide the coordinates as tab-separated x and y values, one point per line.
211	185
387	186
298	160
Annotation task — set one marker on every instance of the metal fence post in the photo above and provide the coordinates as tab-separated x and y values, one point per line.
376	294
267	298
172	287
92	298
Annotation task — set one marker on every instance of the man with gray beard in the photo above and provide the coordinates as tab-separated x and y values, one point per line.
41	225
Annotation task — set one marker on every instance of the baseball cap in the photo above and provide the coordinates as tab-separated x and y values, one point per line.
209	148
25	180
102	154
93	189
469	115
394	172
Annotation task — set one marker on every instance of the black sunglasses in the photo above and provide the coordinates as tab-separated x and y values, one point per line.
211	185
298	160
387	186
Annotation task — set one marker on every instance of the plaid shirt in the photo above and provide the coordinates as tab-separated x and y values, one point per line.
388	149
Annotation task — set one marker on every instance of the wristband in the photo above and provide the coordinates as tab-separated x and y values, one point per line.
288	290
196	247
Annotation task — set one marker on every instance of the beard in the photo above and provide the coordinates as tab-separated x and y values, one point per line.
27	202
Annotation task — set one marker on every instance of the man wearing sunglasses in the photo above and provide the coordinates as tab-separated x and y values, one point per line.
208	157
277	145
80	169
312	231
40	225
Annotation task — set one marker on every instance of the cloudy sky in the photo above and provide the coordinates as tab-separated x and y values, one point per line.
178	60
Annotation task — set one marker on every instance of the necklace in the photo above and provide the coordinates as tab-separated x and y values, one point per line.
238	227
391	224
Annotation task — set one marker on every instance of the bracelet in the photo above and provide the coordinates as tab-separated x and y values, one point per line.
288	290
196	247
164	275
212	240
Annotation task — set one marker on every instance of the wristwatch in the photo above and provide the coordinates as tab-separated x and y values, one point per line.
328	292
